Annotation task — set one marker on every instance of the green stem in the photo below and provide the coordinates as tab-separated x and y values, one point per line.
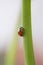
11	53
28	47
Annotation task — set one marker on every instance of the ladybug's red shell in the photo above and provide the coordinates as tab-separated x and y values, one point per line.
20	33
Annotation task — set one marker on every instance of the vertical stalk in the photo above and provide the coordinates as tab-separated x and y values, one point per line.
27	39
11	53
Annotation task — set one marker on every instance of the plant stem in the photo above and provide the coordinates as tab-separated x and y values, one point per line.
11	53
27	39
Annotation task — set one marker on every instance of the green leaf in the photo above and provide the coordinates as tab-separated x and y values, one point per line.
27	39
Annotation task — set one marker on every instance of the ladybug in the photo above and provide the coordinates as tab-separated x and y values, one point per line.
21	31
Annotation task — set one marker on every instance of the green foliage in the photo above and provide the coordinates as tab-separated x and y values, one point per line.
27	39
